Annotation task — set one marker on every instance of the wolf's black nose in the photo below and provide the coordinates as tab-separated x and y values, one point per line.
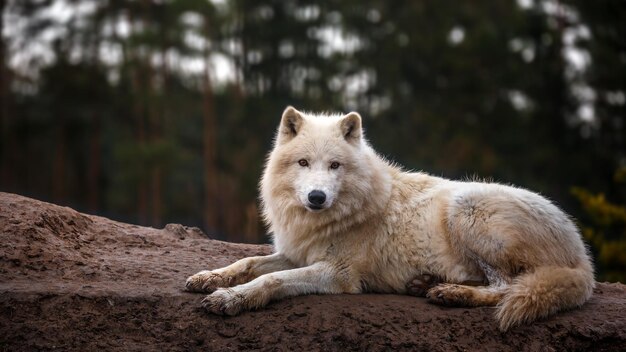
317	197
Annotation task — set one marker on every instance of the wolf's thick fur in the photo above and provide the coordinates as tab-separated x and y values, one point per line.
374	227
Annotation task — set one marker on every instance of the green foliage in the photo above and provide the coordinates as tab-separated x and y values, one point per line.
605	229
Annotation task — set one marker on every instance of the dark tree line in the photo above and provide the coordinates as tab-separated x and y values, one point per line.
162	111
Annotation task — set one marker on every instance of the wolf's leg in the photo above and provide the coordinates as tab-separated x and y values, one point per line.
472	293
320	278
421	284
237	273
466	296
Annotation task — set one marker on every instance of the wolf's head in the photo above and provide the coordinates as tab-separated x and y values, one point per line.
317	154
320	165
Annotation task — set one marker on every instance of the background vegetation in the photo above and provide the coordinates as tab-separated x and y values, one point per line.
157	111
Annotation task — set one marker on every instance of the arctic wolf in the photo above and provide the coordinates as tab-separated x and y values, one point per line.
344	220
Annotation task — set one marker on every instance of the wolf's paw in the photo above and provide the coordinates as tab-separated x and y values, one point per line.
205	281
450	295
224	301
420	285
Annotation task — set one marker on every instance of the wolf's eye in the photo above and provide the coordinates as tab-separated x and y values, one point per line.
303	163
334	165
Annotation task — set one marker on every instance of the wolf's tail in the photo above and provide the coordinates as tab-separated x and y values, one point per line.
543	292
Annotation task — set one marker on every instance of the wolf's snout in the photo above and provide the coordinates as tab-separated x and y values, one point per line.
317	197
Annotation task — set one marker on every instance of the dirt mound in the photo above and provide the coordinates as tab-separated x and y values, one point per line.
76	282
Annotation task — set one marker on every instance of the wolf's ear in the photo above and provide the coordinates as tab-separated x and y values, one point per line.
290	124
351	127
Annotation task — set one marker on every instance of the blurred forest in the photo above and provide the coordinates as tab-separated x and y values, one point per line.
158	111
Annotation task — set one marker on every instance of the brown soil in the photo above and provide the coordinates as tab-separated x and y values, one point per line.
76	282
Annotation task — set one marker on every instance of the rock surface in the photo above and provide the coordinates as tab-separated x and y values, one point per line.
76	282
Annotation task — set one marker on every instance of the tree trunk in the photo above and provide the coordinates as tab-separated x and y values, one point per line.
157	123
140	127
251	231
94	168
6	141
140	135
94	161
211	173
155	111
58	165
157	198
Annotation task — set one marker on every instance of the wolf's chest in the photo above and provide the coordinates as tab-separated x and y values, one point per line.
300	249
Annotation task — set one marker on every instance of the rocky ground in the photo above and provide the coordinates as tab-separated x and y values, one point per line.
76	282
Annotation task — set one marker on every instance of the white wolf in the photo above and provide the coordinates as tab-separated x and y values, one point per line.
344	220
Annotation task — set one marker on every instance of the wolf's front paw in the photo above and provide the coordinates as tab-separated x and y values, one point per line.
449	295
205	281
224	301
